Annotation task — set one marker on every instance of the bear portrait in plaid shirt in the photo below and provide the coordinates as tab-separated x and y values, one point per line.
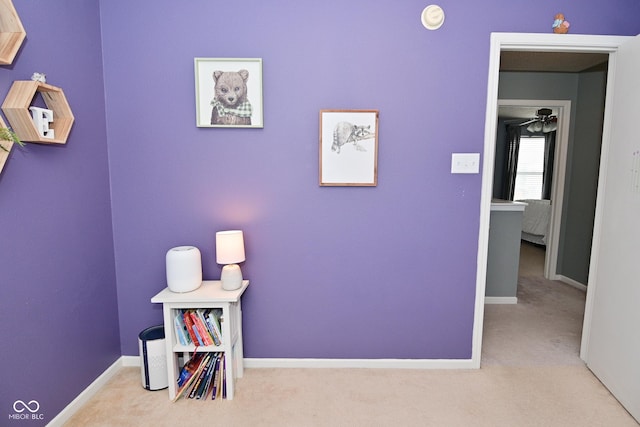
230	105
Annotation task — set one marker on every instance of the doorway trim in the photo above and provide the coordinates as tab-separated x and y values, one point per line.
540	43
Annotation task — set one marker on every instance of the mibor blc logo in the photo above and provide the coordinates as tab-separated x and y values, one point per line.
26	411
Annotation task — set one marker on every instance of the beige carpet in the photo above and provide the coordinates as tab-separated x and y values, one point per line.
544	328
531	375
492	396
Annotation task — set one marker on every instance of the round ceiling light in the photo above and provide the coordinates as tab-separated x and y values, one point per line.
432	17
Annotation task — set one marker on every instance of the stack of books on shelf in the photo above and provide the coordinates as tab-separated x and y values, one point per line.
200	327
203	377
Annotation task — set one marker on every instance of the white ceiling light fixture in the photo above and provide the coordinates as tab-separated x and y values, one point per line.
432	17
550	125
544	121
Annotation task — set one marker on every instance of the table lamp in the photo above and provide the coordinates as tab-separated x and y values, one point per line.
229	252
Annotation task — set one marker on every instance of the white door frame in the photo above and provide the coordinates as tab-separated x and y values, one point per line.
559	173
540	43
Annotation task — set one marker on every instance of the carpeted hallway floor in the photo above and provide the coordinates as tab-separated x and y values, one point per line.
531	375
544	328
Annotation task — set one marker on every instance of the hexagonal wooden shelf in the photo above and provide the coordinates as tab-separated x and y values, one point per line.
16	108
7	145
12	32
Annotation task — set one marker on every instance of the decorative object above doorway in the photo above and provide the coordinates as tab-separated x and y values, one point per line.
560	25
229	92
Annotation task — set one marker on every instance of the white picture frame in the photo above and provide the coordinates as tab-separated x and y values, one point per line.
234	76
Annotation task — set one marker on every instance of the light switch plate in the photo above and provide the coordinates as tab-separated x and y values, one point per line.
465	163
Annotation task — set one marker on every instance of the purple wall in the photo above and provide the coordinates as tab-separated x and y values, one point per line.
384	272
336	272
58	307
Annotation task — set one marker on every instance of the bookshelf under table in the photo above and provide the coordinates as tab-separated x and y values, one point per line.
209	295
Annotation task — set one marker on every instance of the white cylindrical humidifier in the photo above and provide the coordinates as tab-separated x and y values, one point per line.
184	269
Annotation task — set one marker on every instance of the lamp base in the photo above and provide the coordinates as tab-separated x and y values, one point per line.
231	277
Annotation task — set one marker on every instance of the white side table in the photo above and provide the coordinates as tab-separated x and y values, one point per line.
209	295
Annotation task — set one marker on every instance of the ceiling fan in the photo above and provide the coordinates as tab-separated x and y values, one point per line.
544	122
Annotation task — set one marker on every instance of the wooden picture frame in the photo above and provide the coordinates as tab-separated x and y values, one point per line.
229	92
348	148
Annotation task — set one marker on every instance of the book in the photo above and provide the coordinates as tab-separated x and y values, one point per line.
210	375
186	318
203	327
224	377
202	374
180	328
214	316
201	331
216	335
197	334
217	380
189	368
214	382
186	385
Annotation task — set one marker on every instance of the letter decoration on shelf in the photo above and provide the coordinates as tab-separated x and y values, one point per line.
41	118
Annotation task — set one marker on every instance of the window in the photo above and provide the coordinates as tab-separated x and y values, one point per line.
530	168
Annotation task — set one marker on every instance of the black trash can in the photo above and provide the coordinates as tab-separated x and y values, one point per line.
153	358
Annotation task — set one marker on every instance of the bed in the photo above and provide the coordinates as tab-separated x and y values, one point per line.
535	221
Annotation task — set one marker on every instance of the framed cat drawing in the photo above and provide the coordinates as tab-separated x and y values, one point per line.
348	148
229	92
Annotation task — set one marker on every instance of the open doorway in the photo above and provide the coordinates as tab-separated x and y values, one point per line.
607	45
543	326
544	218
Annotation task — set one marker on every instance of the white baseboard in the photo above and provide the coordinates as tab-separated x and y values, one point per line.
134	361
500	300
572	283
361	363
130	361
86	394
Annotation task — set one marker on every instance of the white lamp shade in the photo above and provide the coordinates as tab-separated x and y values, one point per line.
229	247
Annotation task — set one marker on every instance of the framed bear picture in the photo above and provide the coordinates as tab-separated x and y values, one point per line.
229	92
349	148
